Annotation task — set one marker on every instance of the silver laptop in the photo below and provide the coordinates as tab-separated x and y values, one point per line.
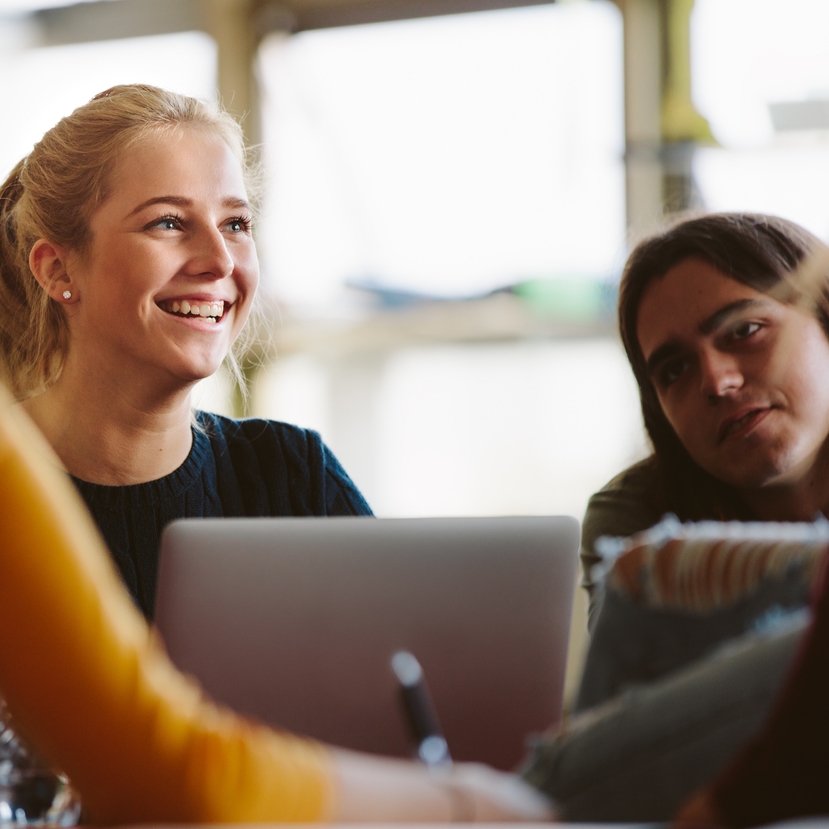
295	621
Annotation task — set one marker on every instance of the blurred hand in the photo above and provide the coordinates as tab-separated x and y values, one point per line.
376	789
481	793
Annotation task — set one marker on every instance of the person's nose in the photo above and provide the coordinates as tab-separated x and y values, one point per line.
209	255
720	374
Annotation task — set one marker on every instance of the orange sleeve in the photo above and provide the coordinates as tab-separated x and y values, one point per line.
92	690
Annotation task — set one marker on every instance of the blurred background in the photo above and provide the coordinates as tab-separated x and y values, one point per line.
451	190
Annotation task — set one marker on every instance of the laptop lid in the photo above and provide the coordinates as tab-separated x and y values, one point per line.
295	621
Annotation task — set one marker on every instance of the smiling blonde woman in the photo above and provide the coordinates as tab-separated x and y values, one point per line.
127	272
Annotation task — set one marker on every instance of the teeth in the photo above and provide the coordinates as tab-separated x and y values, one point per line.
207	310
742	420
737	424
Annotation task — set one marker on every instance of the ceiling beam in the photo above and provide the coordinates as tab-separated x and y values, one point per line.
116	19
325	16
102	20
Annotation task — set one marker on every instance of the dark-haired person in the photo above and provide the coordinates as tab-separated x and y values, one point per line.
733	381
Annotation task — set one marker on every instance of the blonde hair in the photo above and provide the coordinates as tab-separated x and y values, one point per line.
53	192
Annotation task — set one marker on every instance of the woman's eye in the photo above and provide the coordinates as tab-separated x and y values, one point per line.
238	225
671	371
167	223
743	330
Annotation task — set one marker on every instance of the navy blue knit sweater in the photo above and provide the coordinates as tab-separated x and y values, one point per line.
235	468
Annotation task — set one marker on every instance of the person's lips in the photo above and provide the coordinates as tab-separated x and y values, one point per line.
742	422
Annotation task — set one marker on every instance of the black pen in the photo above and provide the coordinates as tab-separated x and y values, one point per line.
423	719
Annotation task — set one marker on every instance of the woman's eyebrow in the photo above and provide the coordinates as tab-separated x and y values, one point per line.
712	323
181	201
239	204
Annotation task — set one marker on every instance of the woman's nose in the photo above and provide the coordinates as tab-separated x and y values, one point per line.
720	374
209	255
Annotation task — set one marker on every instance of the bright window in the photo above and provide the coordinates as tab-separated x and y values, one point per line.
448	155
748	57
44	84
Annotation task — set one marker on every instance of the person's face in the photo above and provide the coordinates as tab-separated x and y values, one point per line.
742	379
169	277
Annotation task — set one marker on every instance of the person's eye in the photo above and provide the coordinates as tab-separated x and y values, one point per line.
744	330
671	371
166	223
239	224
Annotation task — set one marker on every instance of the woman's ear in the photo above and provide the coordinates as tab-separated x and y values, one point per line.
48	264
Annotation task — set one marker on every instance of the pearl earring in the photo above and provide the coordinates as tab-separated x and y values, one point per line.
67	294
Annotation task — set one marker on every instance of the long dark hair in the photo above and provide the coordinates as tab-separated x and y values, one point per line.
757	250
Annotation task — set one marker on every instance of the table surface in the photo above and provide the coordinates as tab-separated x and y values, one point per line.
805	823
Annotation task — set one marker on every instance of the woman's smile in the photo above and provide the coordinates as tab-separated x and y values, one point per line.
212	311
743	423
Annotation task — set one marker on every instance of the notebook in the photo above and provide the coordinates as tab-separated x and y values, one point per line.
295	621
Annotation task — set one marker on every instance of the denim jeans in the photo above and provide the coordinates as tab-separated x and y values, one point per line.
638	756
633	644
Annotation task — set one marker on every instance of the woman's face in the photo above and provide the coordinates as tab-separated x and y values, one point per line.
742	379
169	277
